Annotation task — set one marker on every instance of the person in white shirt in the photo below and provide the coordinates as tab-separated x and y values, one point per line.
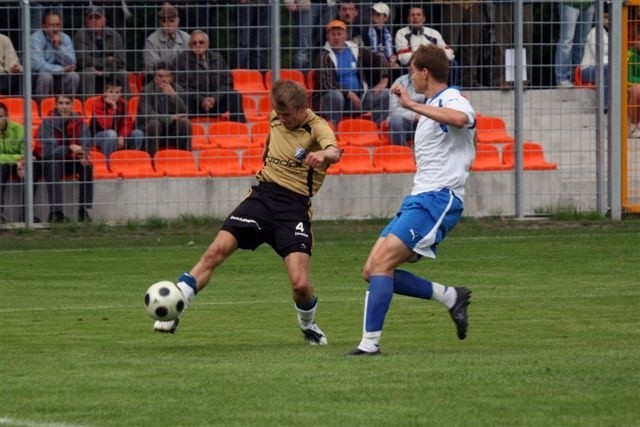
589	64
444	149
415	34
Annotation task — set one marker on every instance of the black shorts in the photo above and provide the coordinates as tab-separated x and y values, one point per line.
273	215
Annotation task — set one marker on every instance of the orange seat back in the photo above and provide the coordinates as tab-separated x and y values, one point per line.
394	159
221	162
252	159
359	132
132	164
233	135
177	163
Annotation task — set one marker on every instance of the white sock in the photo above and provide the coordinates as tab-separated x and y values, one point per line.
370	341
188	293
306	318
445	294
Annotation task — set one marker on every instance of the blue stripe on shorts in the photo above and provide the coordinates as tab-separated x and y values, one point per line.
424	220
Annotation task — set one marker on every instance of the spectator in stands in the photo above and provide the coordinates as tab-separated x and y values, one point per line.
164	44
576	20
162	113
415	34
308	19
402	121
348	13
633	78
100	51
589	65
378	35
461	26
253	34
504	29
64	147
40	8
11	153
111	126
117	13
207	81
53	59
341	83
10	68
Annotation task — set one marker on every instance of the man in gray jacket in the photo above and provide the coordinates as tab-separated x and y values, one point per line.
100	51
162	113
205	76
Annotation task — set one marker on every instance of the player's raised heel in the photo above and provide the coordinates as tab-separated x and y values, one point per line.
459	311
314	335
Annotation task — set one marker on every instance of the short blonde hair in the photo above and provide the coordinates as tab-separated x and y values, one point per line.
288	93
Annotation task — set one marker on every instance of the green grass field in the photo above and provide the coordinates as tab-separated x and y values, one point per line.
554	335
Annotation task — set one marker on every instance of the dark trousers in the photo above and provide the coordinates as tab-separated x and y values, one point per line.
231	102
53	170
178	135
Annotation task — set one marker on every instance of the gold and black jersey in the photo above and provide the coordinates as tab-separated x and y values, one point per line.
286	149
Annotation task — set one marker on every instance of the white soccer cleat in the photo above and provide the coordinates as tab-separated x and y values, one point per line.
168	327
314	335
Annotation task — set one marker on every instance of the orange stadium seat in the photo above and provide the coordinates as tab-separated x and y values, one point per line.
286	73
133	106
252	159
394	159
250	82
356	160
199	138
577	79
132	164
359	132
252	109
259	132
100	169
488	159
15	107
136	82
532	157
491	129
221	162
89	104
232	135
177	163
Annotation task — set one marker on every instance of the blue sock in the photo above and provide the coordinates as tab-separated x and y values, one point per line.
405	283
309	306
189	280
378	301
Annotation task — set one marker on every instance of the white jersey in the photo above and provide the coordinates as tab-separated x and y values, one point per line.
444	153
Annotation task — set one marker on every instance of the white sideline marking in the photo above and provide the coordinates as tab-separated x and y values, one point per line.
130	307
7	421
328	243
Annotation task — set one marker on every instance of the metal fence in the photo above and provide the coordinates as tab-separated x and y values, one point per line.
505	61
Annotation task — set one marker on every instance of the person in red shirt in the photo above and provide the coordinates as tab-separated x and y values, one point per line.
111	126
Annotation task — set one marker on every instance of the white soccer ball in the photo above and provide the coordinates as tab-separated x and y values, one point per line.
164	301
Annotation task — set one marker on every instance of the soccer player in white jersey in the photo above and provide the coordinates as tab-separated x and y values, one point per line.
444	149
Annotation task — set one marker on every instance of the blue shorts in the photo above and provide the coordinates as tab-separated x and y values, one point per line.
424	220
